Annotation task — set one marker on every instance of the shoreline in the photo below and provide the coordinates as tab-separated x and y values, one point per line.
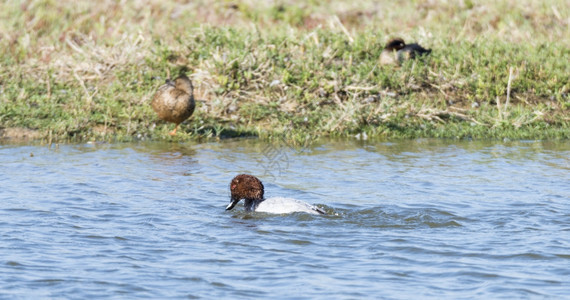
25	135
293	70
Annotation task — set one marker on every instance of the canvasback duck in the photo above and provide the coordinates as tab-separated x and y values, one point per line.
250	189
396	52
174	101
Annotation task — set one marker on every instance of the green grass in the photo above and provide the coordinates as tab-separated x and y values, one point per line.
87	71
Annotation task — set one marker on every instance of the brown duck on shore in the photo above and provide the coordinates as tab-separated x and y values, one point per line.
174	101
396	52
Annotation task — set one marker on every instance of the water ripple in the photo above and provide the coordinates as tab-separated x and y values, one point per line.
411	219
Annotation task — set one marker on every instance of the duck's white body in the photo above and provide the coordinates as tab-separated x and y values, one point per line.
281	205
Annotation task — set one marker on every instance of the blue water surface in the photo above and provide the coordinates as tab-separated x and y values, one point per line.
406	220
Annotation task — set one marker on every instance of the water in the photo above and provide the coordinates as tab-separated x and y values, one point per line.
408	220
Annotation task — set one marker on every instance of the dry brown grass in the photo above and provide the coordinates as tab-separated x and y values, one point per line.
75	56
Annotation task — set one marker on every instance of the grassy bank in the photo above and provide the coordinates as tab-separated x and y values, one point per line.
87	71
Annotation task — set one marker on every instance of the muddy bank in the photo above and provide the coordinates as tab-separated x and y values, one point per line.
19	133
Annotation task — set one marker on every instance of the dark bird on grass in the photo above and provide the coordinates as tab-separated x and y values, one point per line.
174	101
396	52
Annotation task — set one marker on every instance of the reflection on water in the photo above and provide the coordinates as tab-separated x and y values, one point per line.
423	218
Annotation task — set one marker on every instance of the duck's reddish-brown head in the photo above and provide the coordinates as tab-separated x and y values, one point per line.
246	187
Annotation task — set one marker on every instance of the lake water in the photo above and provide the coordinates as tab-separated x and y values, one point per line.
407	220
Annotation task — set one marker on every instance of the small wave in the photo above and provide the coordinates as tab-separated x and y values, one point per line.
398	217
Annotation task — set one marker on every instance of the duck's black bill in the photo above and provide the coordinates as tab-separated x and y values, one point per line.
232	204
319	210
